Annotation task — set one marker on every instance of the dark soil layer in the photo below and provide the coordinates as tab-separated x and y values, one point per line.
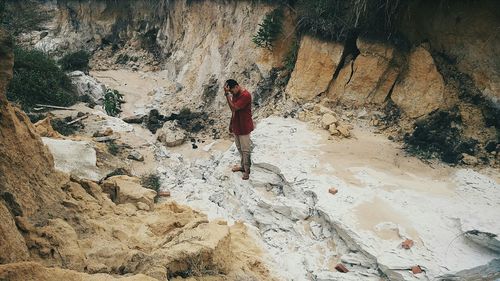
440	135
193	122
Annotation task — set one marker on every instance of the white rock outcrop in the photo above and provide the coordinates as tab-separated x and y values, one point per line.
74	157
87	85
287	201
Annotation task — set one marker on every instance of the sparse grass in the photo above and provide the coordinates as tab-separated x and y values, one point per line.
197	265
335	19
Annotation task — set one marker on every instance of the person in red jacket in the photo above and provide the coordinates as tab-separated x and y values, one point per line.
240	102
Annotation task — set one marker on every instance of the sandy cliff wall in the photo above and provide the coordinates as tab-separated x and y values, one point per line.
49	219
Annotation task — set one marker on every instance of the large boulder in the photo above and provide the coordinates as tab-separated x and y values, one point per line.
314	69
369	77
170	134
86	85
125	189
421	89
74	157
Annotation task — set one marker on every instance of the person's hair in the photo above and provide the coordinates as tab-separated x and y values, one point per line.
231	83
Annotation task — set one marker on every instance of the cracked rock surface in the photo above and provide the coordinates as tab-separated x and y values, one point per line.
449	213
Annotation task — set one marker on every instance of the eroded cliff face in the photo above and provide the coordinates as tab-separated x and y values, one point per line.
198	44
447	66
465	32
25	167
49	219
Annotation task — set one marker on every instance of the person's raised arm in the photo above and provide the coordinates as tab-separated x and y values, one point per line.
229	98
235	106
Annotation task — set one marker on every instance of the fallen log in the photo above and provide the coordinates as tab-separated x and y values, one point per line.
54	107
78	119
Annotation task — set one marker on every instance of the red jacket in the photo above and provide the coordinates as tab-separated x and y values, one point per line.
241	121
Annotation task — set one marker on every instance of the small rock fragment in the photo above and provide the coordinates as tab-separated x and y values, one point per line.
103	133
407	244
344	131
341	268
327	120
416	269
135	155
134	119
142	206
469	159
333	129
164	193
333	190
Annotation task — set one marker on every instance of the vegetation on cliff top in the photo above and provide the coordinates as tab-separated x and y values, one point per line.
22	16
38	79
336	19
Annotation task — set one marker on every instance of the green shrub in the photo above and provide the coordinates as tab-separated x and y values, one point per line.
75	61
62	127
112	102
113	148
35	117
37	79
151	181
269	29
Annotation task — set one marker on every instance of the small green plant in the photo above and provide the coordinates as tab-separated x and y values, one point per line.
269	29
113	148
151	181
75	61
38	79
112	102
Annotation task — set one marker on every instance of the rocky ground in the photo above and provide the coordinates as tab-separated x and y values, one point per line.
336	192
327	188
64	217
